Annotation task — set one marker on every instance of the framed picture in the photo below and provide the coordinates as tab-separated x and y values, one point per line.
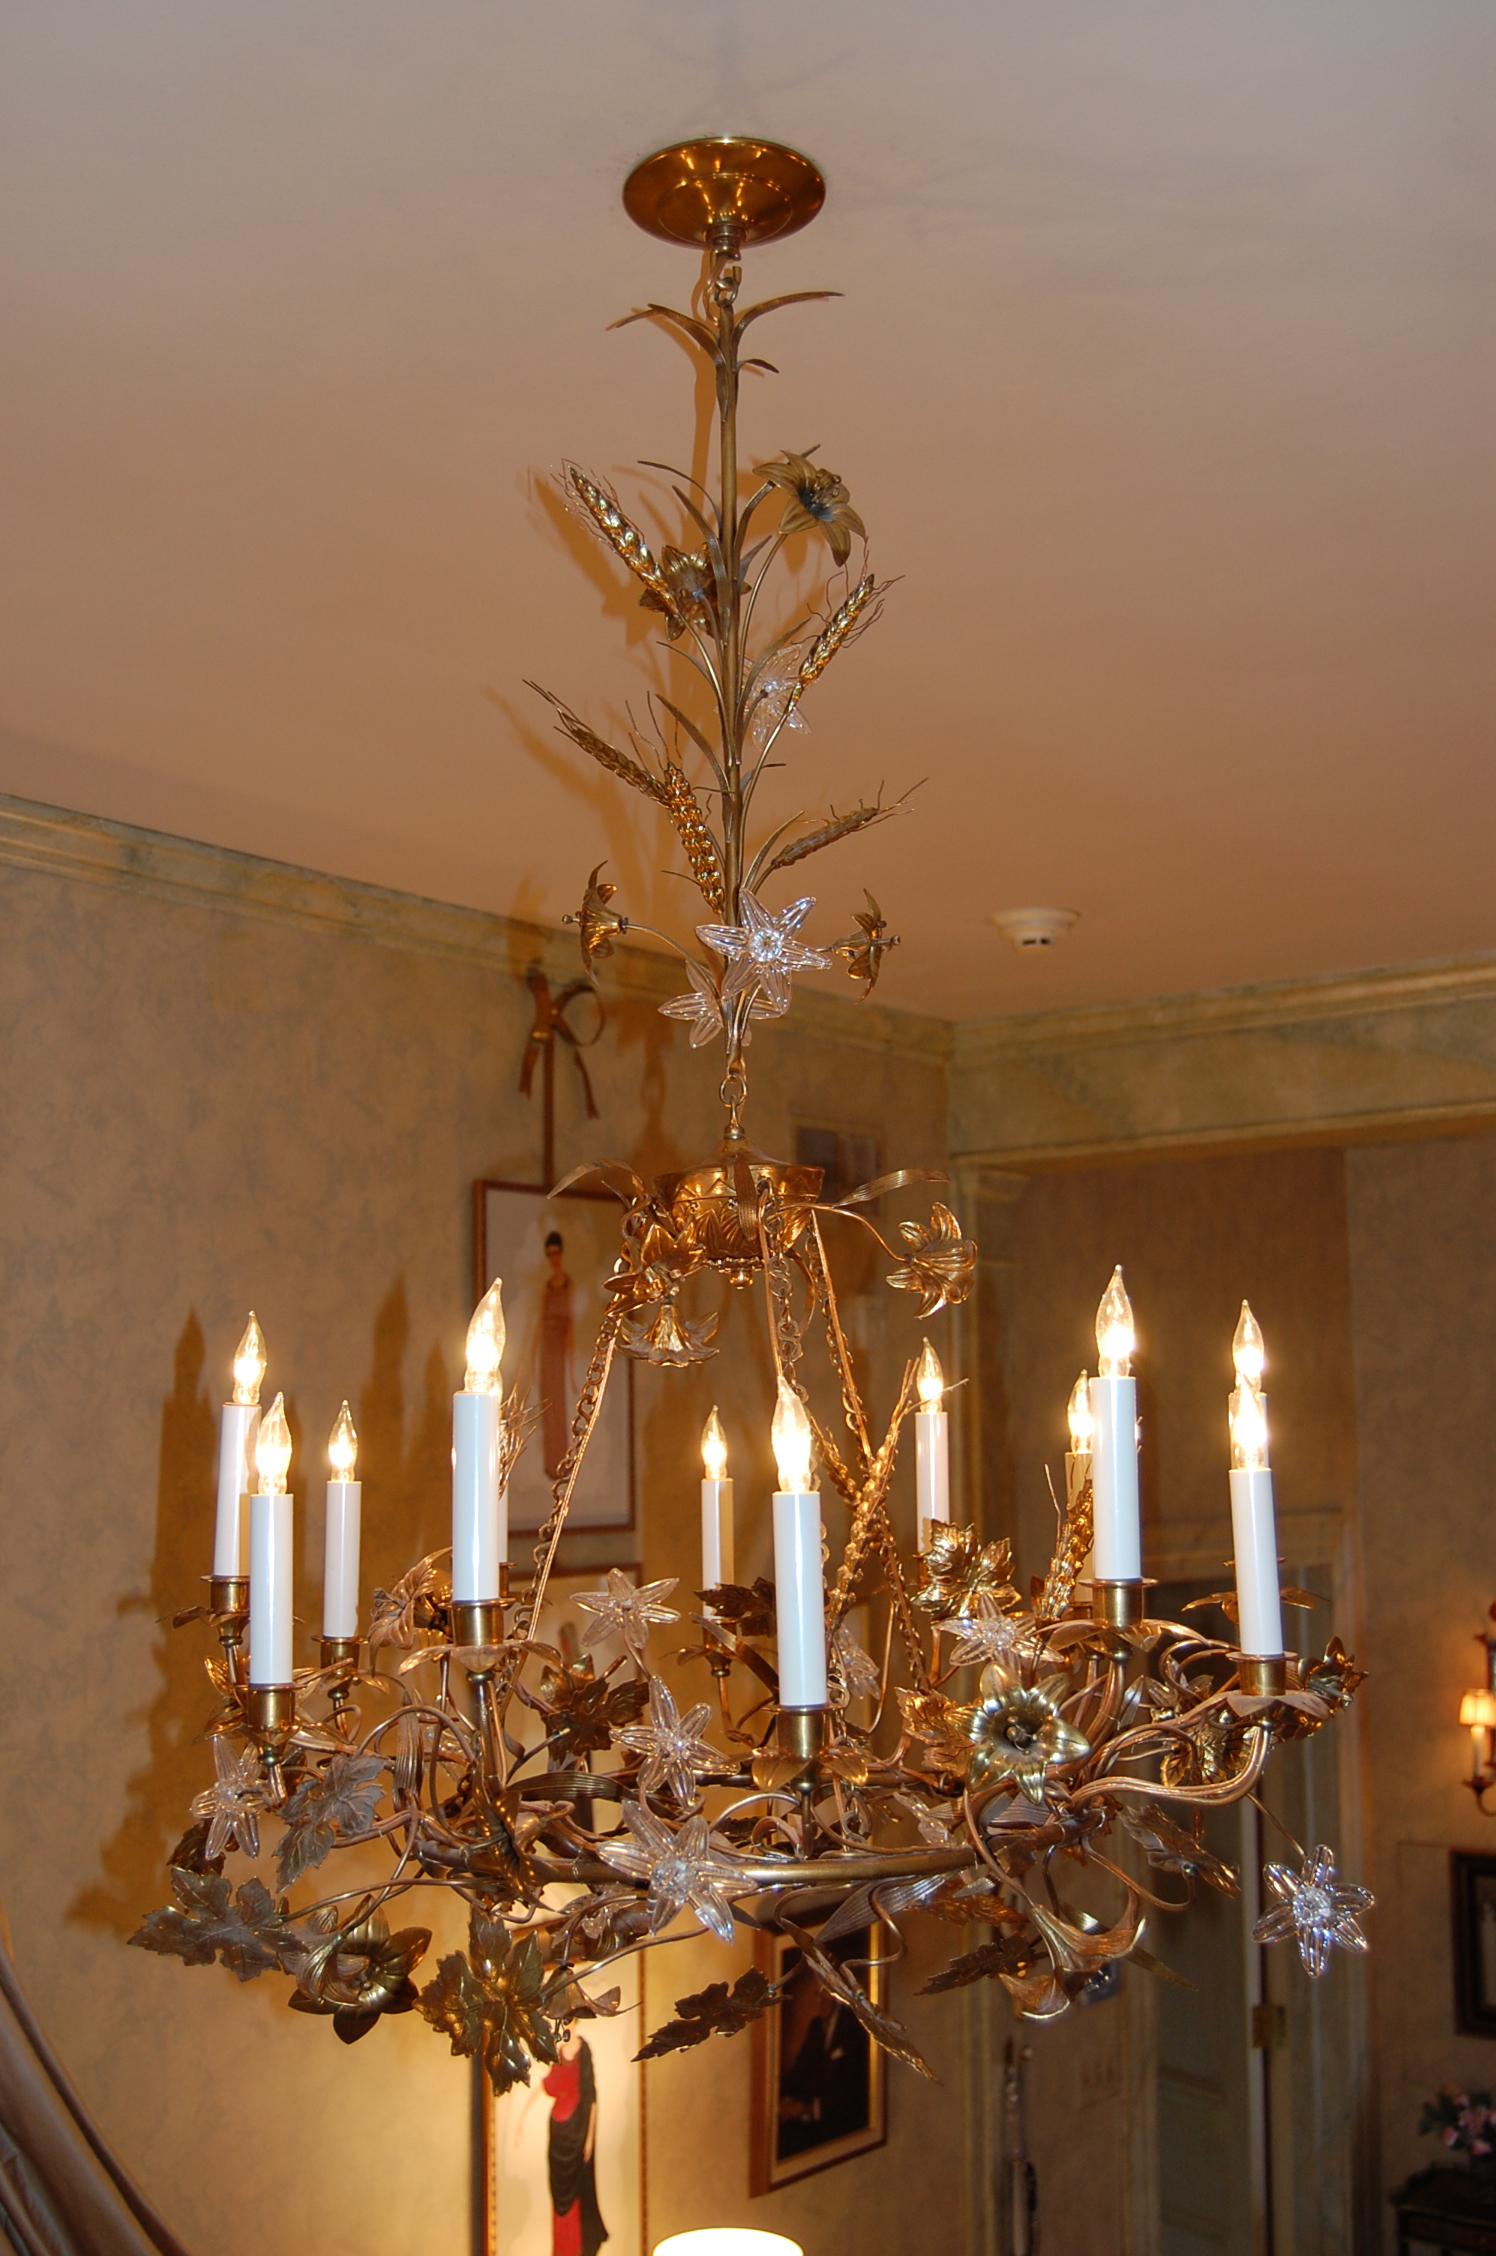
847	1157
554	1255
1473	1886
573	2138
563	2156
820	2093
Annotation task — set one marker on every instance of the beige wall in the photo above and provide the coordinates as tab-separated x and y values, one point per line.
1423	1269
1373	1271
229	1084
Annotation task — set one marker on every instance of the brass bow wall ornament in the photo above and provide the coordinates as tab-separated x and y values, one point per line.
551	1028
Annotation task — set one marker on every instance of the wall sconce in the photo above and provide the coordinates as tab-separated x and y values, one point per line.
1478	1715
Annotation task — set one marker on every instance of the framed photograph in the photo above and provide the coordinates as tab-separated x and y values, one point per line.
1473	1886
820	2092
554	1255
563	2156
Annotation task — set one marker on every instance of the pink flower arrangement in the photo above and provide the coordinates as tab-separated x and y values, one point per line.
1464	2121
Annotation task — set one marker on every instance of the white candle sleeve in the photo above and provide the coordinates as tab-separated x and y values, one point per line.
479	1515
1254	1536
1117	1554
800	1598
340	1559
932	1468
236	1439
270	1589
717	1562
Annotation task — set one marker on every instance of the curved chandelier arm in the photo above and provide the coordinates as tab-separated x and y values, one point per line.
1207	1795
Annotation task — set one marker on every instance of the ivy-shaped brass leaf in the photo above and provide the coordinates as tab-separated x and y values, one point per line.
1172	1848
245	1929
749	1609
714	2011
987	1963
959	1574
488	2004
837	1982
191	1852
584	1710
334	1804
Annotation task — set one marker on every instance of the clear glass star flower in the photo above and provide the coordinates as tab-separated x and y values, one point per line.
860	1672
764	951
234	1800
620	1610
683	1867
980	1639
673	1745
1316	1909
702	1008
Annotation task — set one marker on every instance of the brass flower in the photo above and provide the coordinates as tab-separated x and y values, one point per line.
692	591
863	956
597	925
819	502
359	1974
1334	1677
1018	1734
940	1264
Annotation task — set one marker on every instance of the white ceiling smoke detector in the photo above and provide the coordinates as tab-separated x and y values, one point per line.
1028	929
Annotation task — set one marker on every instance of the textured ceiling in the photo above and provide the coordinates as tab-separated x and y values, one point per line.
1164	376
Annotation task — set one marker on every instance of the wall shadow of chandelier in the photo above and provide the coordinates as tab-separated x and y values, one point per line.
1006	1757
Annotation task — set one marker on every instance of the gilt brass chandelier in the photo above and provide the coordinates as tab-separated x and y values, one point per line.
1007	1757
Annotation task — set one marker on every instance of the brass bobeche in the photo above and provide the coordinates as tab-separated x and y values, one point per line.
1119	1605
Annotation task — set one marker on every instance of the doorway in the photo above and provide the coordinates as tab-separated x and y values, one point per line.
1252	2062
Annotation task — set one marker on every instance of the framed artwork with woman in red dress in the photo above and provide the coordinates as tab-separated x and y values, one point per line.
563	2156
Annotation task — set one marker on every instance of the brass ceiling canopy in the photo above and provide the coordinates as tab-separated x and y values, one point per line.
726	191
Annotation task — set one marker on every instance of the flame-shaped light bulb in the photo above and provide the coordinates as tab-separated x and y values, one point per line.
929	1378
792	1438
1248	1420
1115	1337
273	1449
714	1448
485	1342
1247	1350
249	1363
342	1446
1078	1414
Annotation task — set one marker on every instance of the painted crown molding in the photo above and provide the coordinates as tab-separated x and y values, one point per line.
1329	996
1409	1050
89	849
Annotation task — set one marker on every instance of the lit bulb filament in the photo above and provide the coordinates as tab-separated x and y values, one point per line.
714	1448
249	1363
273	1449
485	1343
792	1440
1115	1337
342	1446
